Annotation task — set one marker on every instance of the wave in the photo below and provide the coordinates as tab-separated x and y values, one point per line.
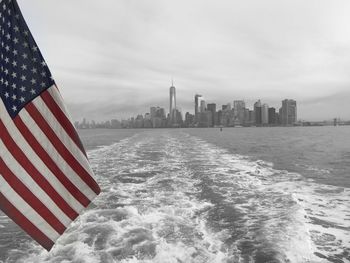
171	197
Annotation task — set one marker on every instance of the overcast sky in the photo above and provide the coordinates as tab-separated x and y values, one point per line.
116	58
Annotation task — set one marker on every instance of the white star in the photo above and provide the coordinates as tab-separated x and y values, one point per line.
14	108
23	89
32	91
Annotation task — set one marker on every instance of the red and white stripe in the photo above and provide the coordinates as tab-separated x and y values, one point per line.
45	176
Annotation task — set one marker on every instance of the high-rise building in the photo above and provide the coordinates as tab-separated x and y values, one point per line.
265	114
158	118
153	112
172	108
272	116
203	106
246	120
289	112
251	117
197	103
189	119
212	107
257	110
239	111
205	119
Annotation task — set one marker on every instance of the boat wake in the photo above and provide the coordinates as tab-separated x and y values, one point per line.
171	197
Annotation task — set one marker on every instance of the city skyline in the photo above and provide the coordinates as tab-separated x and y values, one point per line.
235	114
120	60
262	111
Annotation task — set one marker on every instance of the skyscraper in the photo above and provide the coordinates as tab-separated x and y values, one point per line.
172	109
289	112
197	103
212	108
272	116
203	106
239	108
257	110
265	114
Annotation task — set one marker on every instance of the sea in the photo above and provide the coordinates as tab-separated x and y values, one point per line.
205	195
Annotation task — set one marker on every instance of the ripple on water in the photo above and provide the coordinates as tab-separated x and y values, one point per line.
170	197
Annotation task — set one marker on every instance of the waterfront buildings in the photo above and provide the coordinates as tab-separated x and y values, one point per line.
257	110
265	114
212	108
158	118
288	112
197	103
239	112
172	107
272	116
206	115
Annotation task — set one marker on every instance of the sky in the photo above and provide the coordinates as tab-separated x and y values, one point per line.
116	58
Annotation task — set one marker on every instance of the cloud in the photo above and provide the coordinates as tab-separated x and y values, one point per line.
119	56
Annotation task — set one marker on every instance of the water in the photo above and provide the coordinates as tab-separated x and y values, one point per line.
201	195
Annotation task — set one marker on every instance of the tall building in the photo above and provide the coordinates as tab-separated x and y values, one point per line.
189	119
272	116
257	110
212	108
265	114
172	108
158	118
289	112
153	112
197	103
239	108
205	119
203	106
251	117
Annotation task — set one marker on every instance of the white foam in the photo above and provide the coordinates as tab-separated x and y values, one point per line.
150	209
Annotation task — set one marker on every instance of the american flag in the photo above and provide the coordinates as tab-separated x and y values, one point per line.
45	176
